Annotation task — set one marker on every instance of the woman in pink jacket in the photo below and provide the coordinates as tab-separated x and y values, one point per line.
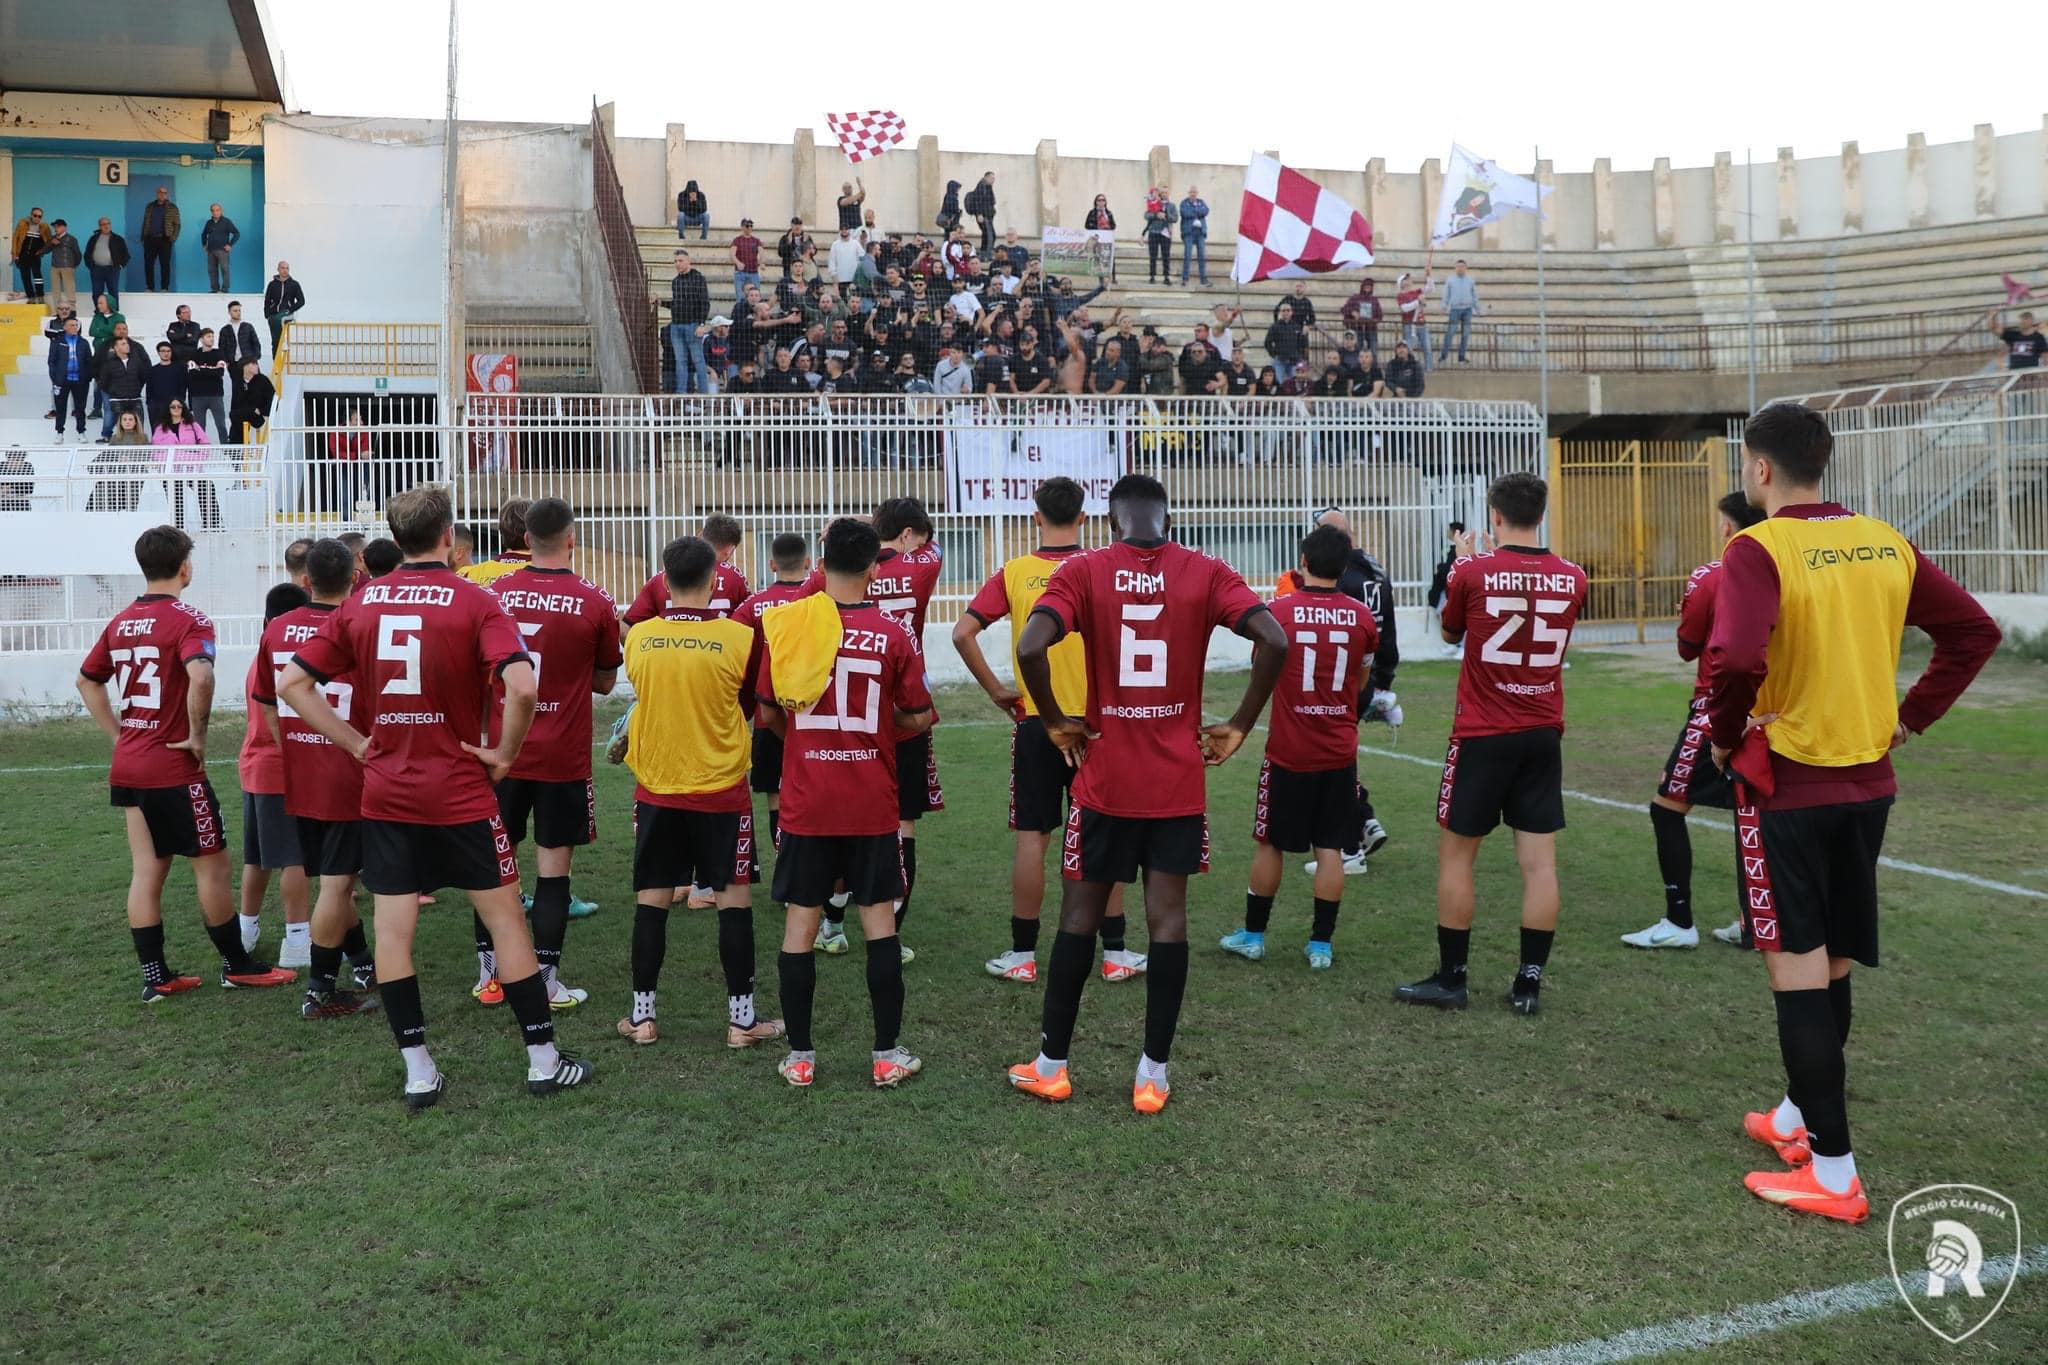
181	431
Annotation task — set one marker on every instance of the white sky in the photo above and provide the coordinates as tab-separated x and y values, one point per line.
1582	78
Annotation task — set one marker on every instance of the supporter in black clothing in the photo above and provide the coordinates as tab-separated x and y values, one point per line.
1404	373
992	373
1031	371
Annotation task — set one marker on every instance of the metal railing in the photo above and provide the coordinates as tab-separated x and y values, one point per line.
551	354
408	349
622	259
1244	476
70	520
1960	466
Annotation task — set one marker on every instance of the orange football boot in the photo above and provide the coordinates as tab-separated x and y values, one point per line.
1801	1190
1792	1148
1149	1097
1054	1088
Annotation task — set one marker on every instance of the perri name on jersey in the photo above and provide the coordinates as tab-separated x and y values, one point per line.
409	595
134	626
1509	580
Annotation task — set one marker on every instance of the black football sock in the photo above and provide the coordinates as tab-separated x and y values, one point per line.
736	950
355	946
1325	922
775	828
650	945
149	951
1023	935
227	938
1258	913
1065	975
326	966
1112	934
1535	956
550	926
1452	945
1838	1000
528	998
486	951
885	990
1674	861
797	979
1810	1040
909	847
402	1008
1166	982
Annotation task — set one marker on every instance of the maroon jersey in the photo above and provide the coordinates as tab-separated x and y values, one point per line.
1144	613
321	780
902	586
571	629
1696	620
261	767
839	757
748	613
728	590
426	647
1516	606
142	655
1330	644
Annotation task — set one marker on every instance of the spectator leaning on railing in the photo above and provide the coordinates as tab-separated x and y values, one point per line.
283	300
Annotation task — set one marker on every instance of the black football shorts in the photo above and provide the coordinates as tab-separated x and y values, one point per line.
1515	779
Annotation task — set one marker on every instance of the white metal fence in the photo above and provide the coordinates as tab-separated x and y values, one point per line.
1960	466
1244	477
69	517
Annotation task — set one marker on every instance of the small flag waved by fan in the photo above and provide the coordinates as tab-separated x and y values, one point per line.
2015	291
864	135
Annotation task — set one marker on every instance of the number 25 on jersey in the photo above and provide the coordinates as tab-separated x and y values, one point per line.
1543	644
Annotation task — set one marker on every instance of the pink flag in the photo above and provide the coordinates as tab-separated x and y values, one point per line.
1289	227
864	135
2015	292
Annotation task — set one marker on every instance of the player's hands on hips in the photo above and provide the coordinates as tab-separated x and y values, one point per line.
196	746
1070	737
1219	742
495	761
1010	702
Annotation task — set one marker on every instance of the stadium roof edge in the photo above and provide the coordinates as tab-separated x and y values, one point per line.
196	49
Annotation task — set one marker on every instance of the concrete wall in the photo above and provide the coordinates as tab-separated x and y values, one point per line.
356	207
1796	198
525	210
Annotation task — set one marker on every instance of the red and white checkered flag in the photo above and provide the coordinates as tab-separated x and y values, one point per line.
864	135
1289	227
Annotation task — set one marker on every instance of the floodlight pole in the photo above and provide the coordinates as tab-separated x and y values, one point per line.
1542	301
451	244
1749	240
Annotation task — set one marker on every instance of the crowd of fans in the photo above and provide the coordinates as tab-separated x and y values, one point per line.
871	310
191	378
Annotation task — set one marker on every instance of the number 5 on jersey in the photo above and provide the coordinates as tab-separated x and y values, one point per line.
398	641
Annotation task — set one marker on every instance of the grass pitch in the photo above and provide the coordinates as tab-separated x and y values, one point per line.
1338	1178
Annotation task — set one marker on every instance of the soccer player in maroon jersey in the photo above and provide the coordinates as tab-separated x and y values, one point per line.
791	560
424	645
1144	607
257	761
158	655
1513	606
728	592
571	629
1690	777
838	768
270	841
1041	779
323	789
1308	783
906	573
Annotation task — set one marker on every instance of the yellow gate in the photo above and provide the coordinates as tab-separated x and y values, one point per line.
1638	517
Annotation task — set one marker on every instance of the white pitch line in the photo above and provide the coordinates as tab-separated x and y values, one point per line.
1755	1319
1895	864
